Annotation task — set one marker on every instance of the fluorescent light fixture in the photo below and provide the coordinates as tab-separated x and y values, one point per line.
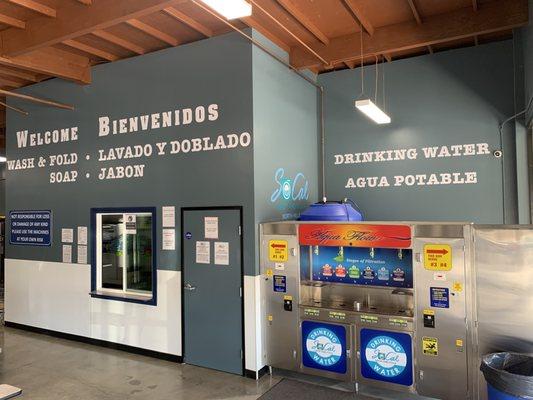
372	111
231	9
2	159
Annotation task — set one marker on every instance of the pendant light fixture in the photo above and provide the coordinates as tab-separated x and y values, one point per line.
365	105
230	9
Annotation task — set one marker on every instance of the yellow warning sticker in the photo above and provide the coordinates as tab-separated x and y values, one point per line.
459	342
429	312
270	318
457	287
288	298
437	257
430	346
269	273
278	250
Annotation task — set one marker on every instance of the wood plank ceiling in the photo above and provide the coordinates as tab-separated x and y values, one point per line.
40	39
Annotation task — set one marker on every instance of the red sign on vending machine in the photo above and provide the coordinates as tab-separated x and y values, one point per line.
355	235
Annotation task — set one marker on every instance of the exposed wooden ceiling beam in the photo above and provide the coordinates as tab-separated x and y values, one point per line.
492	17
34	6
183	18
302	18
14	22
360	16
53	62
116	40
154	32
350	64
17	73
416	14
6	82
252	22
75	44
76	20
288	31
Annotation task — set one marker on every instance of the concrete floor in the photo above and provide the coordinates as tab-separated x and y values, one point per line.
45	367
50	368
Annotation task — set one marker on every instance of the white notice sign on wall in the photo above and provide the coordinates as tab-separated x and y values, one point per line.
67	235
203	253
169	217
82	235
82	254
67	253
221	253
131	224
169	239
211	227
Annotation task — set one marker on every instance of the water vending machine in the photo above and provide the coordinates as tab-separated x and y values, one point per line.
382	304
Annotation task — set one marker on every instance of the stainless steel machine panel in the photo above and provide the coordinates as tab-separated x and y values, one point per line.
503	259
441	325
281	286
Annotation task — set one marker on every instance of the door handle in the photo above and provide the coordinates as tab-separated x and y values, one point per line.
189	287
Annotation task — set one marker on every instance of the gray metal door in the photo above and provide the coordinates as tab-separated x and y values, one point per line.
212	289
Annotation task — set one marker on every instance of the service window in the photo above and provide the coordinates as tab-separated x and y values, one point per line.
125	255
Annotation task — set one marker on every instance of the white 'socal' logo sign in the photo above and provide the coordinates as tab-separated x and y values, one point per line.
323	346
386	356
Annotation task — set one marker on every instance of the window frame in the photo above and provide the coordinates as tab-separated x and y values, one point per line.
120	294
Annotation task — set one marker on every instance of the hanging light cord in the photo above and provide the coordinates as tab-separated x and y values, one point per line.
377	80
362	64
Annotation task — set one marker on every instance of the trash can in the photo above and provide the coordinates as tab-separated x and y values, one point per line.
509	376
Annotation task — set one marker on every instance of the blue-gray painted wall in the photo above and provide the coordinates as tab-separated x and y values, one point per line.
285	137
448	98
255	93
165	80
528	59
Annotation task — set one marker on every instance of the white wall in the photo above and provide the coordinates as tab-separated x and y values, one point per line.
55	296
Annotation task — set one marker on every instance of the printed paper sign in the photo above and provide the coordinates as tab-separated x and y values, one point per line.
82	235
169	217
278	250
430	346
82	254
203	253
67	235
131	224
211	227
437	257
67	253
221	253
169	239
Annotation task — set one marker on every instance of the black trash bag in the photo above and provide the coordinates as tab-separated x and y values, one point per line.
510	373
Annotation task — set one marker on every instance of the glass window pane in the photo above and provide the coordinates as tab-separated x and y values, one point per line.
139	255
112	254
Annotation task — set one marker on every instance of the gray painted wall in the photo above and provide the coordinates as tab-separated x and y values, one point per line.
528	59
218	70
448	98
285	137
